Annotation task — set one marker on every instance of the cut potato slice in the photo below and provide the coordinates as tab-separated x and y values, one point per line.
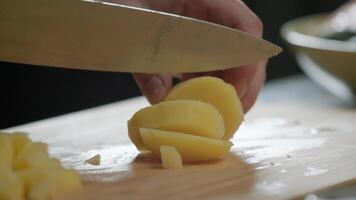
190	147
216	92
187	116
170	158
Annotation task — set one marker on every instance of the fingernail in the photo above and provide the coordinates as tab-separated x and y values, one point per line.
155	89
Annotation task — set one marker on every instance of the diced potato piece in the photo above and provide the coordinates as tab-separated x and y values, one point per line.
67	181
6	151
47	183
187	116
32	155
11	187
19	141
216	92
42	190
29	176
190	147
39	184
95	160
52	163
170	158
27	171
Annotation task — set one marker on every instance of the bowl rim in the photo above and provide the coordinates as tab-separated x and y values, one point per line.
292	36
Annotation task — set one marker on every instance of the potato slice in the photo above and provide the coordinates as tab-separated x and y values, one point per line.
187	116
190	147
216	92
170	158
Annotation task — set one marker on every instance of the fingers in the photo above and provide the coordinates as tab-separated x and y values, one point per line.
154	86
235	14
247	80
249	99
232	13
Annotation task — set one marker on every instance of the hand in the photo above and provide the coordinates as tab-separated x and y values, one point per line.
247	80
341	20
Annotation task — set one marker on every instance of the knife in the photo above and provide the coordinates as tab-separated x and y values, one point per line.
94	35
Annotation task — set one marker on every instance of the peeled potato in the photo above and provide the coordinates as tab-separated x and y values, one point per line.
190	147
187	116
216	92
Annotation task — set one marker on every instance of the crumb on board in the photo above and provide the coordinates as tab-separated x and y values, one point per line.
95	160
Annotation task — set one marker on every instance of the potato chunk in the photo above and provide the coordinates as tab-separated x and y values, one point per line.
187	116
18	141
216	92
170	158
67	181
190	147
32	155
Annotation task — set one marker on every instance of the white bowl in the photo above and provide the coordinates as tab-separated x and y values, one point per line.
331	63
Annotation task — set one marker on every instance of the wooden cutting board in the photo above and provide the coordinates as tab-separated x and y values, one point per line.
286	148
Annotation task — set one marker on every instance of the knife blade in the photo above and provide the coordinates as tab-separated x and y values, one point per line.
94	35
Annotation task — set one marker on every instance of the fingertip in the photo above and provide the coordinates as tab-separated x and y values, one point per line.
154	87
255	87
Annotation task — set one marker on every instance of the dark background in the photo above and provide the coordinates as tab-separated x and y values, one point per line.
31	93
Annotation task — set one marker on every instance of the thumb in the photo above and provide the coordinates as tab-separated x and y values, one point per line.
154	86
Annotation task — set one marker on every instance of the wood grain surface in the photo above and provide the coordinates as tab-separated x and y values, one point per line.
297	139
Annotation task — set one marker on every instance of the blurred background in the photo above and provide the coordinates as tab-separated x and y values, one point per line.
31	93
